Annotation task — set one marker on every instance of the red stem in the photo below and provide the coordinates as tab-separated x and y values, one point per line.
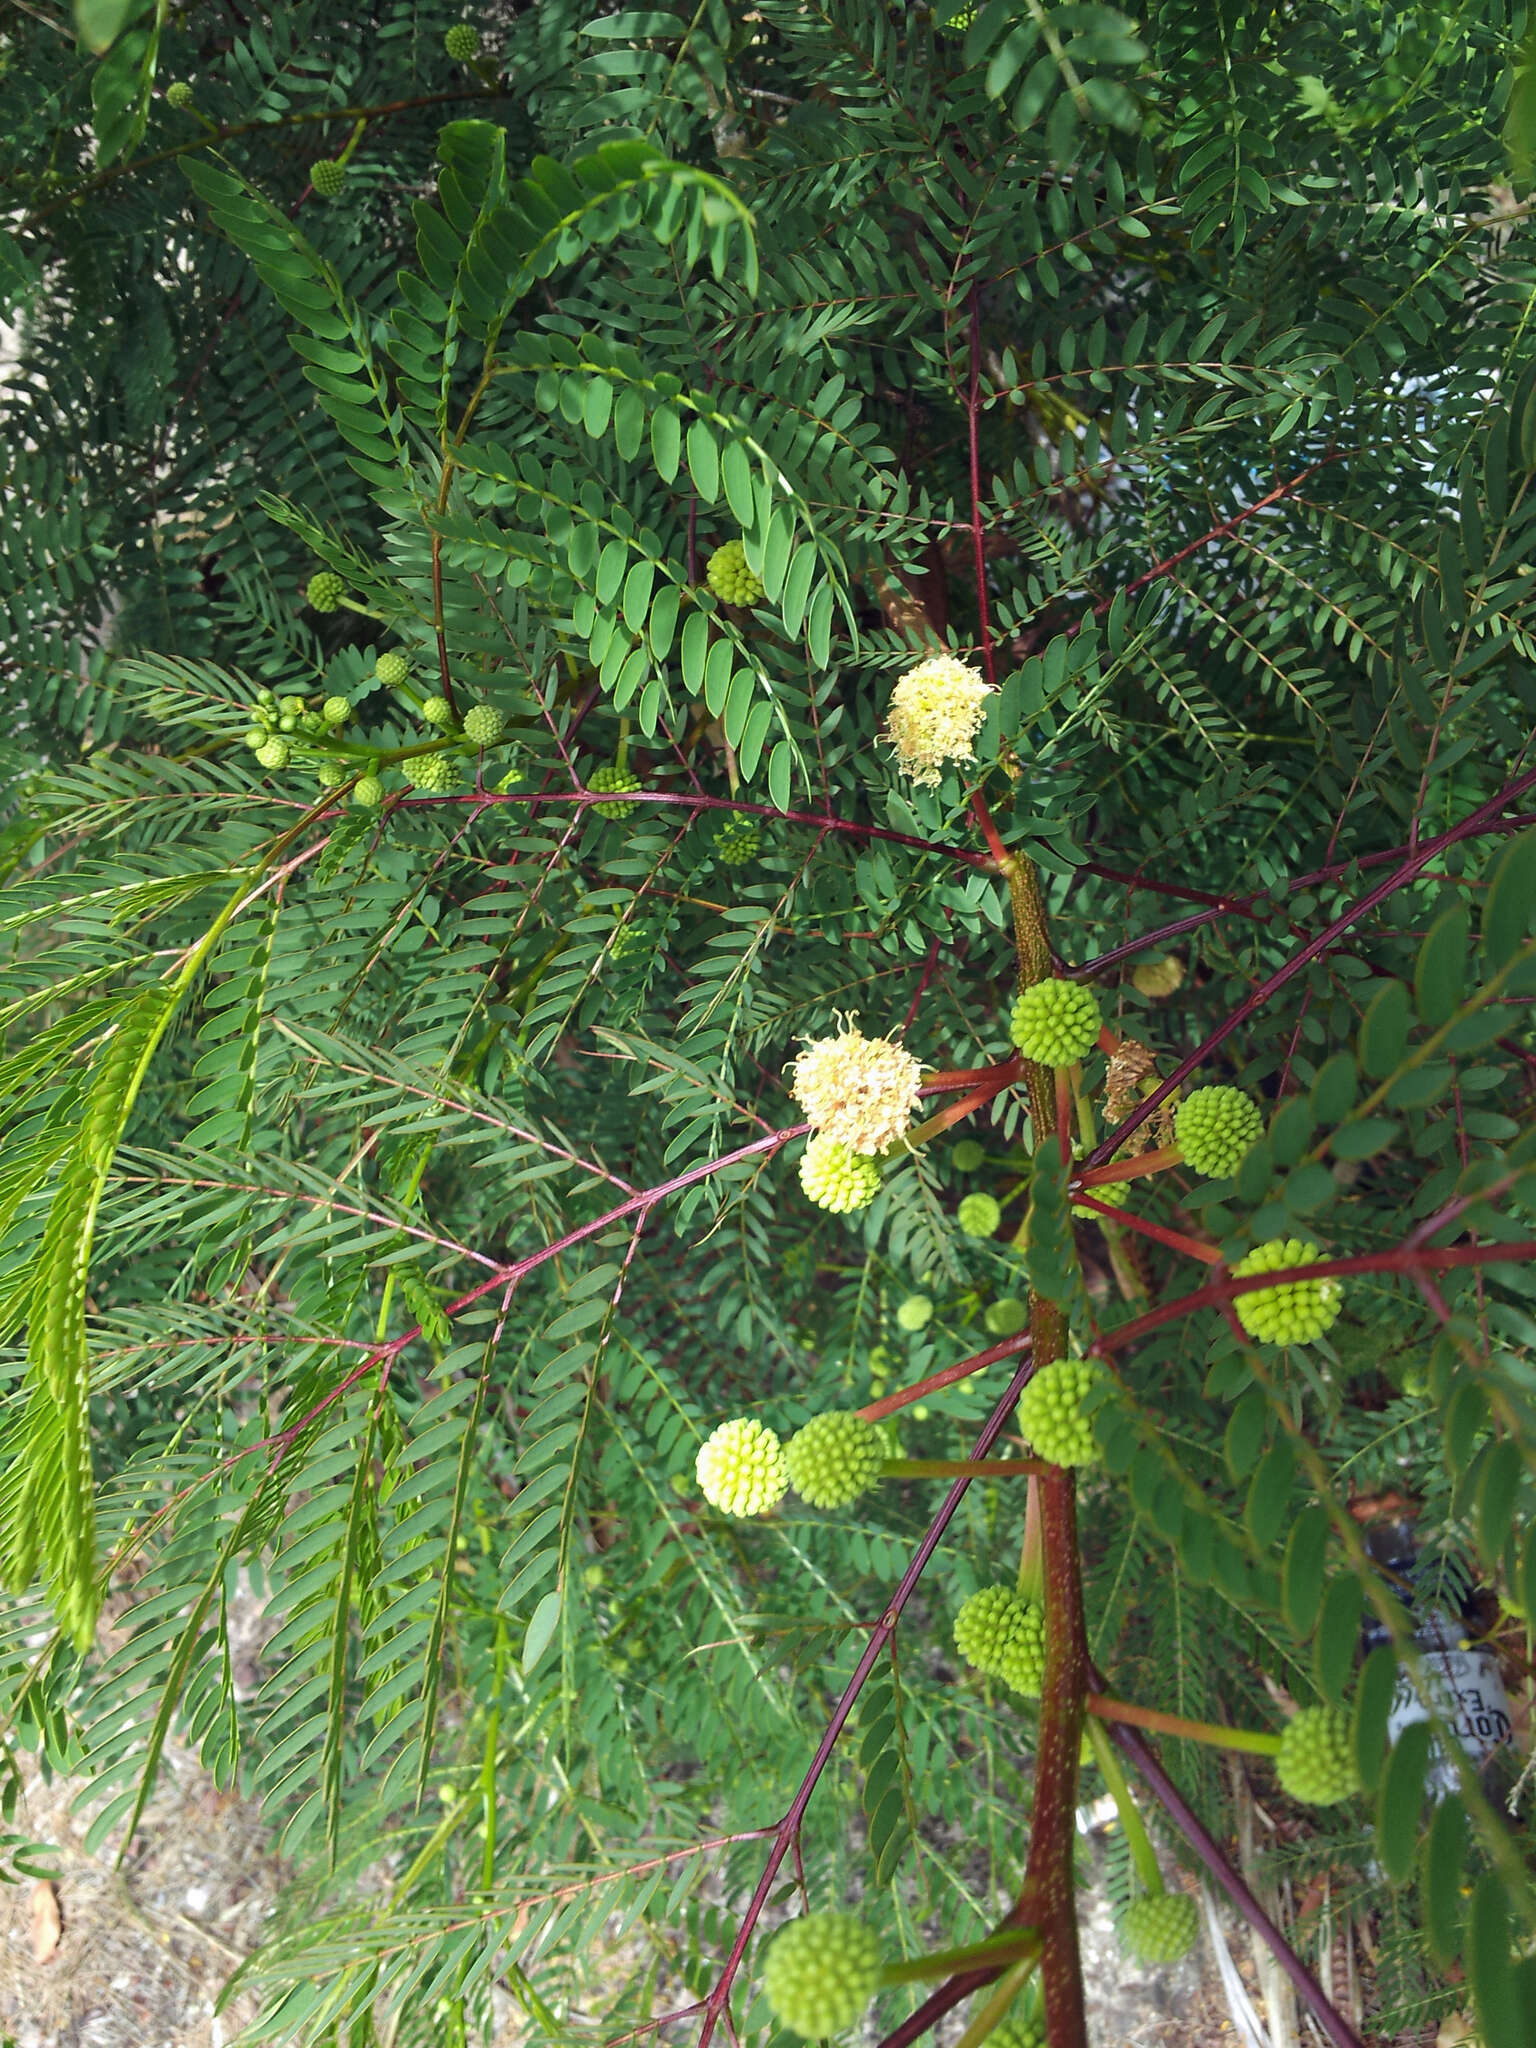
1408	871
1400	1261
1219	532
889	1403
880	1637
1169	1797
978	548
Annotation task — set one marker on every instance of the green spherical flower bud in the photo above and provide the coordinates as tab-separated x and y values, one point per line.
989	1624
967	1155
835	1458
612	776
328	176
1055	1022
1006	1316
978	1215
1316	1763
273	753
1027	2031
1051	1415
820	1973
312	722
462	42
630	939
391	669
737	842
1297	1310
730	578
1214	1127
1021	1666
740	1468
482	725
369	793
835	1178
266	699
256	738
289	722
1115	1192
336	710
325	591
291	707
915	1313
178	94
437	711
1160	1927
433	773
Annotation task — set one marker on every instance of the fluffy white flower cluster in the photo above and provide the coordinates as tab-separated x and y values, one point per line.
860	1091
934	712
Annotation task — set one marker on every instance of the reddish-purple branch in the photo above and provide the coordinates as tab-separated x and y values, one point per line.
1189	1825
880	1636
1407	871
1218	532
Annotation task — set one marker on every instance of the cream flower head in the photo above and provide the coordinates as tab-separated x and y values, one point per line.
860	1091
934	712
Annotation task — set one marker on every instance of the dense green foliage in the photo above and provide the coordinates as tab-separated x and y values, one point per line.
395	1189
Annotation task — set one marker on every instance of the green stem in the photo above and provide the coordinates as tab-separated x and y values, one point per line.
1017	1945
1142	1853
1253	1741
1031	1579
488	1759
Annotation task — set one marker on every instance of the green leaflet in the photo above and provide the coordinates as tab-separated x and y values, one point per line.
57	1491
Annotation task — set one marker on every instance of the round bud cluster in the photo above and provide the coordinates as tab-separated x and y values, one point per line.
1297	1310
1316	1762
328	176
612	776
914	1314
1055	1022
1160	1927
934	714
482	725
988	1625
861	1091
391	669
272	720
436	711
1214	1127
820	1973
978	1215
324	591
178	94
730	578
368	793
462	42
1115	1192
967	1155
1051	1413
629	940
1022	1664
835	1458
433	774
737	842
740	1468
336	710
835	1178
1158	978
1019	2033
1006	1316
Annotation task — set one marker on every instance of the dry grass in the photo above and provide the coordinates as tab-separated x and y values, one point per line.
146	1949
